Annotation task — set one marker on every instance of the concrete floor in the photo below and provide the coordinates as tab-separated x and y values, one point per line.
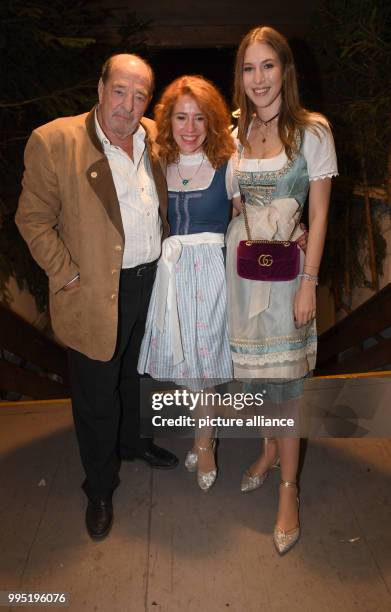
173	548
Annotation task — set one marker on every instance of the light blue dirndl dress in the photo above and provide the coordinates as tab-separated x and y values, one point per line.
186	338
266	346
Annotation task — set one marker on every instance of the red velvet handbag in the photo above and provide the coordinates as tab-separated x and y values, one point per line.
267	260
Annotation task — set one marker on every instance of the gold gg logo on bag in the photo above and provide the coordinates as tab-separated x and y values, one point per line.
265	261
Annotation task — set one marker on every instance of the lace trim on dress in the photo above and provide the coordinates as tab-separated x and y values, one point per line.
289	356
272	340
260	177
324	176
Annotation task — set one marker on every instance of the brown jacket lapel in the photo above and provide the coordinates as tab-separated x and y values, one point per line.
101	180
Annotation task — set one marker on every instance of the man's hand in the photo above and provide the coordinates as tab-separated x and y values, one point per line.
303	239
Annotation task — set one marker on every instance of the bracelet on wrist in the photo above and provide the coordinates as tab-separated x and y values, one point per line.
310	277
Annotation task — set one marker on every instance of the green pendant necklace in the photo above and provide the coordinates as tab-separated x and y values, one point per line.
186	181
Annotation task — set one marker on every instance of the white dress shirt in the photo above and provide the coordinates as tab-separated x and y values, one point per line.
137	197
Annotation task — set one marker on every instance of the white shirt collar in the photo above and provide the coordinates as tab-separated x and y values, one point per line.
139	134
191	160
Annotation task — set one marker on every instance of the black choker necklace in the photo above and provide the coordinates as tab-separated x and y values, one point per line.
265	123
261	123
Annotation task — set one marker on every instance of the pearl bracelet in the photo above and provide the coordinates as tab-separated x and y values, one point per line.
310	277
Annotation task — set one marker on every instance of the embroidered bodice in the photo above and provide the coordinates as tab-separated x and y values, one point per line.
200	210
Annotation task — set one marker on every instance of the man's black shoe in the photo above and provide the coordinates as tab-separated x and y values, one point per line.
156	457
99	518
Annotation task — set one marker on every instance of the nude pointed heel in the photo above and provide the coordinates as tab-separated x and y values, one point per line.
251	482
207	479
191	461
284	539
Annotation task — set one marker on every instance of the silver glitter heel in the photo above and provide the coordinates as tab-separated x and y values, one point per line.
285	540
250	482
191	461
207	479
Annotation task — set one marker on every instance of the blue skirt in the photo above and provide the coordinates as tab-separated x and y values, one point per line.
202	309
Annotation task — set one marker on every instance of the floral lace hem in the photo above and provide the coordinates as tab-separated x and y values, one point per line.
287	356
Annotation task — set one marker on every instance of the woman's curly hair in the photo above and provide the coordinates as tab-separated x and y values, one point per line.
218	145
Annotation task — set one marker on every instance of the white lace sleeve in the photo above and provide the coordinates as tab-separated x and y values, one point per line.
319	151
231	182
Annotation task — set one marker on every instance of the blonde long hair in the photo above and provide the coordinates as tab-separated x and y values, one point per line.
292	115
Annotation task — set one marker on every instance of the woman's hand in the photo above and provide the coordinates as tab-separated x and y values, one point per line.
237	206
304	308
302	240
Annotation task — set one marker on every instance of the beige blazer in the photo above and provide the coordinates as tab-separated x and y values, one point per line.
69	215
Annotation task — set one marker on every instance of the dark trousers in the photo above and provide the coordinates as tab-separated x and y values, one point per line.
106	394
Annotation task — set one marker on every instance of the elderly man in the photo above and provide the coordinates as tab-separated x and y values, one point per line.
92	211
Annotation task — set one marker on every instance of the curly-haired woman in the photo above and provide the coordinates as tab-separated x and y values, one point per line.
186	338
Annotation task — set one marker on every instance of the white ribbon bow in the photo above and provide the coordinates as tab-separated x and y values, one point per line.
166	296
274	222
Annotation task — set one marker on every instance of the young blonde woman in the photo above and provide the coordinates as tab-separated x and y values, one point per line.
284	154
186	338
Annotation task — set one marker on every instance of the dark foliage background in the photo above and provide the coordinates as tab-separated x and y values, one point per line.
51	53
352	43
